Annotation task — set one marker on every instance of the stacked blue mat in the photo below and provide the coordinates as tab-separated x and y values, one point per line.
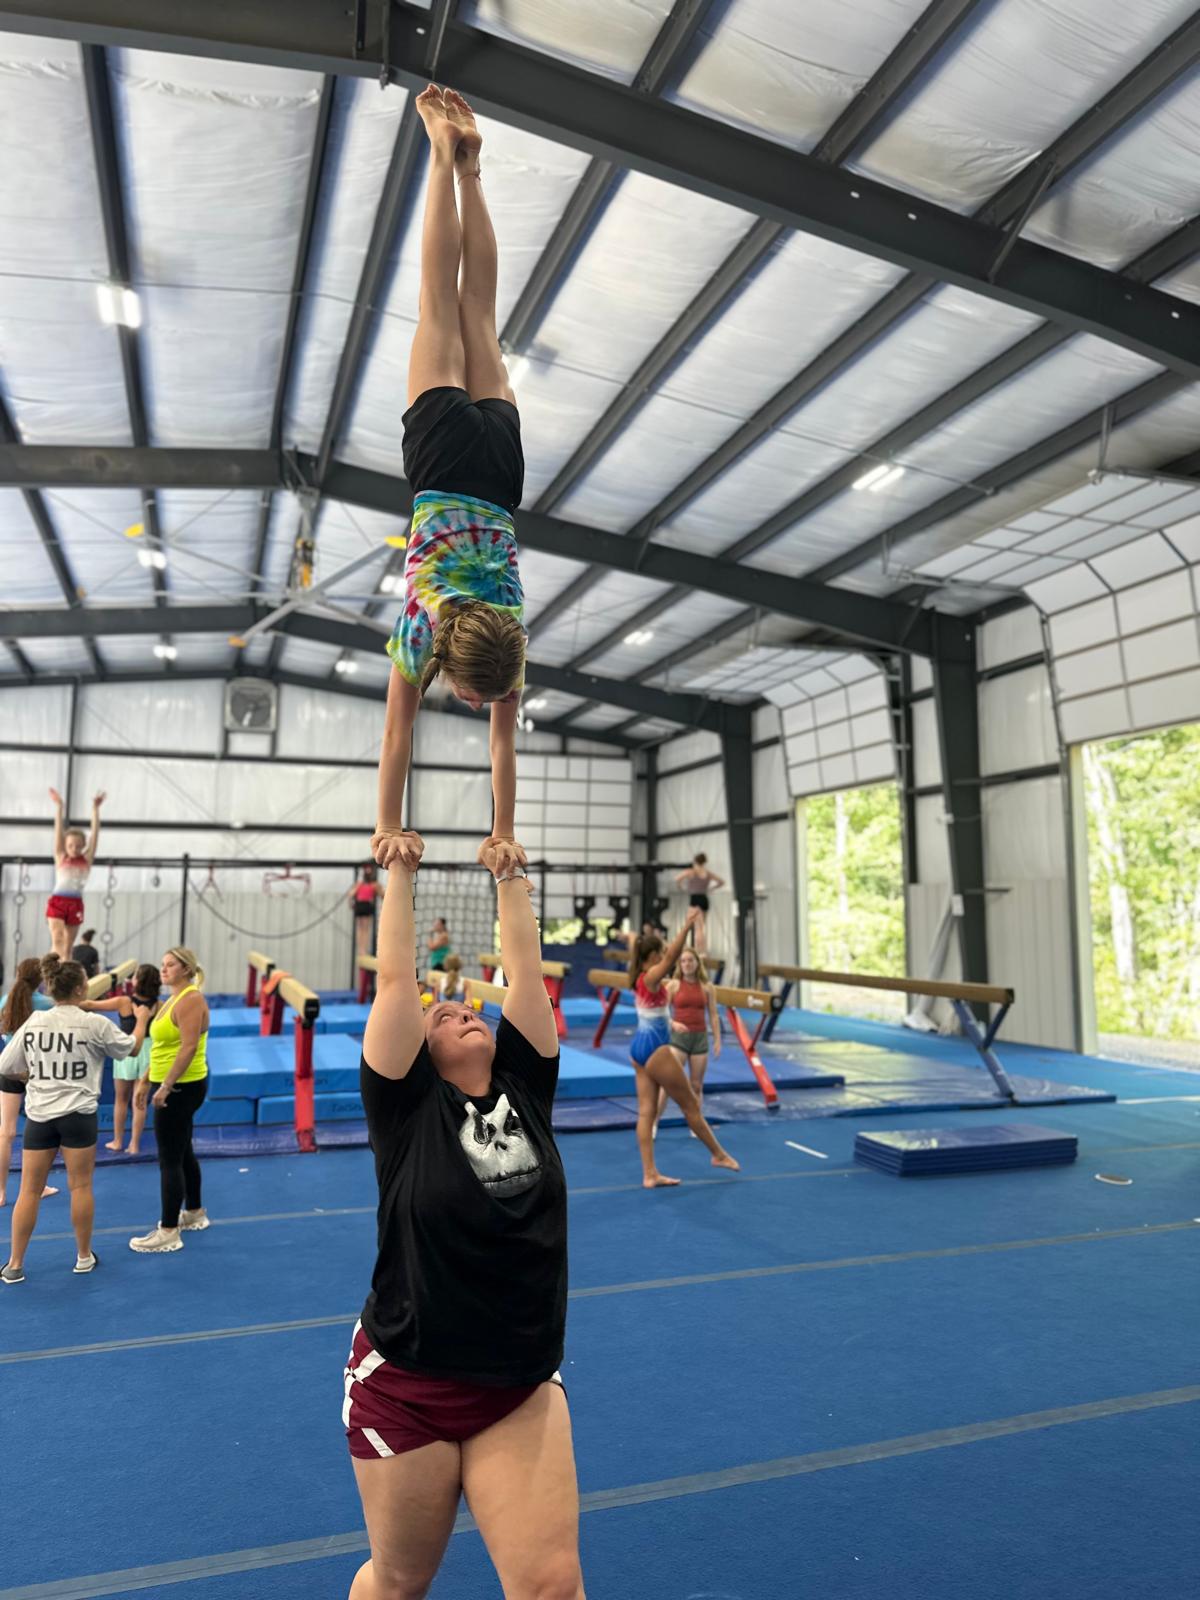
915	1152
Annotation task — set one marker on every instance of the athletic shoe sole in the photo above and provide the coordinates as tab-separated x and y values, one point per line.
5	1278
87	1266
195	1227
155	1249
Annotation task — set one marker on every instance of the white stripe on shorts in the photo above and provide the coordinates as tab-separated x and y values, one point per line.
376	1442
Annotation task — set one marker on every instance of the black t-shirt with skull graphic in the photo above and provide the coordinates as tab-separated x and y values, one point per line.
471	1277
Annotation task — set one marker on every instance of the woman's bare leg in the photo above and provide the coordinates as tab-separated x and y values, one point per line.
80	1166
58	937
647	1093
437	360
519	1481
697	1067
664	1070
410	1502
122	1094
139	1123
35	1167
487	376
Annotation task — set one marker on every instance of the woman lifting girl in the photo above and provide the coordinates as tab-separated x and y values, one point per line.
462	455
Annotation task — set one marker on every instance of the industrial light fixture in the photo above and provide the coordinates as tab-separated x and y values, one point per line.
119	307
878	478
153	558
346	666
165	652
639	636
539	704
391	582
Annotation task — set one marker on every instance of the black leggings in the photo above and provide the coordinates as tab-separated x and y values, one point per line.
178	1169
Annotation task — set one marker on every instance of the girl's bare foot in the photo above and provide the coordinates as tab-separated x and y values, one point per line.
657	1181
444	135
470	140
133	1150
726	1160
113	1144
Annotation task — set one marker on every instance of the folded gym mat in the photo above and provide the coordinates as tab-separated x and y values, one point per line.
989	1148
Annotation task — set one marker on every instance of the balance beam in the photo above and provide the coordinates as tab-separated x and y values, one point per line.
100	985
734	1001
554	975
257	966
962	996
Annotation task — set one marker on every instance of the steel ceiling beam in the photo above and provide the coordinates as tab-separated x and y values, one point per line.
532	90
287	357
583	210
137	621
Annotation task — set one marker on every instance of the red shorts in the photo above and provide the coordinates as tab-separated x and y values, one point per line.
65	908
388	1410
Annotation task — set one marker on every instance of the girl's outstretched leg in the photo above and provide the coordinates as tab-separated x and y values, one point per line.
647	1091
437	360
487	376
663	1069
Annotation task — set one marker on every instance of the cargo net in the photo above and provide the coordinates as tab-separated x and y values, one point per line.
464	897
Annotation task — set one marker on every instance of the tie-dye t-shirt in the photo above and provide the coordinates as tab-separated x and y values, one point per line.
459	549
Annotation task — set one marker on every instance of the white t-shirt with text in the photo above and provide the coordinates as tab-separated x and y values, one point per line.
64	1051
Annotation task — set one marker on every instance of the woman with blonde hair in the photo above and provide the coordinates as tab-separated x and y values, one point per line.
178	1071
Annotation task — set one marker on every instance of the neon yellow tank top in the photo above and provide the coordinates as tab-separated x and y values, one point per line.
165	1039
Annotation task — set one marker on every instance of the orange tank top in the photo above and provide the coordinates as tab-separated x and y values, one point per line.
690	1006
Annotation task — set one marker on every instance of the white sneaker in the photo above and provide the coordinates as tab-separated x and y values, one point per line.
87	1263
194	1221
157	1241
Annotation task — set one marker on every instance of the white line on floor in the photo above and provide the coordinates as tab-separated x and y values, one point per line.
1160	1099
792	1145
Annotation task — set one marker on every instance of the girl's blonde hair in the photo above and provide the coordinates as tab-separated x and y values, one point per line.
701	970
479	649
189	961
452	978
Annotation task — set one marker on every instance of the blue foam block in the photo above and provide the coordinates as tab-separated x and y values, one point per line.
258	1066
233	1022
336	1017
326	1108
584	1075
999	1146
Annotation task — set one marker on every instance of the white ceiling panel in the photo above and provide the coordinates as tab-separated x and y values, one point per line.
542	577
1007	87
676	625
362	135
1138	188
91	524
210	540
616	596
216	159
59	655
29	577
788	71
652	249
611	37
315	660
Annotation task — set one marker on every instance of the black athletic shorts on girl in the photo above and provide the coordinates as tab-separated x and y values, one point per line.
74	1130
462	446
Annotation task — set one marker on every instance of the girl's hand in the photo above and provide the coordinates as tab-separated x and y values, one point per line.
141	1094
693	916
57	798
716	1045
142	1013
505	850
397	847
100	799
160	1096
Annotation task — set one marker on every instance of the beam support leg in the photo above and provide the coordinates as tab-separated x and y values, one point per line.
737	764
957	704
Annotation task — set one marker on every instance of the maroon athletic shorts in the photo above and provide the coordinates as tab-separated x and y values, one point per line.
388	1410
65	908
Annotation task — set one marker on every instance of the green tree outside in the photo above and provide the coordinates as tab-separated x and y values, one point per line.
855	902
1143	818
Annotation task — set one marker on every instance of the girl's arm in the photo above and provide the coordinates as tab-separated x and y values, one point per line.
60	839
714	1018
502	748
403	703
191	1015
120	1003
526	1003
654	975
681	878
89	849
396	1025
714	882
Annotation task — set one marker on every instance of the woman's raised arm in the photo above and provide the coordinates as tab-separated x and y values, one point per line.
396	1025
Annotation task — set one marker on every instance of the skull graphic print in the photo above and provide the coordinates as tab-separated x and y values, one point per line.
497	1147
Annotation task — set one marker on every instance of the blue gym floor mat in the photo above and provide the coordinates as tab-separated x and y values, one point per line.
990	1147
